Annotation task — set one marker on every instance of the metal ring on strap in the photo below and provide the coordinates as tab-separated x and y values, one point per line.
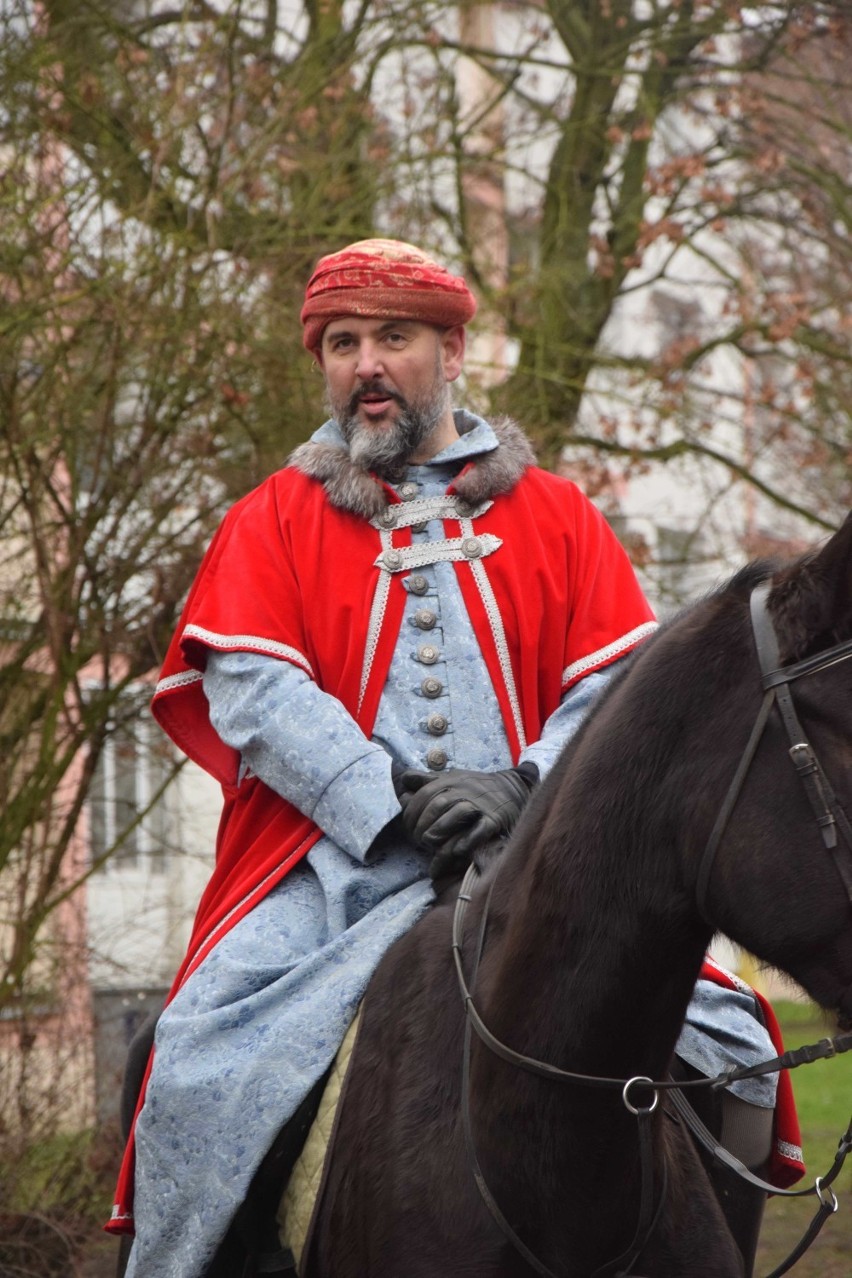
641	1109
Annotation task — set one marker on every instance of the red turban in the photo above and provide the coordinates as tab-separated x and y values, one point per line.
384	278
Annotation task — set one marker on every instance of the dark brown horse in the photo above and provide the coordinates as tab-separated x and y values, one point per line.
593	945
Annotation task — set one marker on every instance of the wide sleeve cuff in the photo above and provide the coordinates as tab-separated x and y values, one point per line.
358	804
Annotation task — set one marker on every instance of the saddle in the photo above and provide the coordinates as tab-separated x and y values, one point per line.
270	1233
304	1186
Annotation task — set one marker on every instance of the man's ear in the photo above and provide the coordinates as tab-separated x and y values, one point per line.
453	342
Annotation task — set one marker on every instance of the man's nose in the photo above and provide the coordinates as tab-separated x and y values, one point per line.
369	363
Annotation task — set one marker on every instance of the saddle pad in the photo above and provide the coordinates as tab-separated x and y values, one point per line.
299	1198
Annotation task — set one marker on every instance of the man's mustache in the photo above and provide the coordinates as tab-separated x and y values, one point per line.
374	388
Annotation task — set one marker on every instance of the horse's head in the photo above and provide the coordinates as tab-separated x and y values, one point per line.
780	879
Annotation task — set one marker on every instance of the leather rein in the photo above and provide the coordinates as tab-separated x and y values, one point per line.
640	1095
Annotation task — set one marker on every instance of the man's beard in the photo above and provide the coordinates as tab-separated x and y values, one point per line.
387	449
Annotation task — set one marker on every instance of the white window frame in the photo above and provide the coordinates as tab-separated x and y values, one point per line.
144	848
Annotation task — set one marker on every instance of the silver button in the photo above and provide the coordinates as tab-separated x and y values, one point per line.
388	518
408	490
437	724
427	654
419	528
424	619
431	687
418	585
437	759
472	547
464	509
392	559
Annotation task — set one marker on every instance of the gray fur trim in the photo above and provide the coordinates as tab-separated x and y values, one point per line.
347	486
350	488
498	471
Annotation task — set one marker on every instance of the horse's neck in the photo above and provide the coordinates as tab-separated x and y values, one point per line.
588	967
598	946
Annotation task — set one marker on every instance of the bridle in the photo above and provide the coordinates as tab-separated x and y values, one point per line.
776	680
830	817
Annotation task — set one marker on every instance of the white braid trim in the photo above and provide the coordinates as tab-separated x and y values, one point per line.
251	643
377	618
182	680
498	632
614	649
420	510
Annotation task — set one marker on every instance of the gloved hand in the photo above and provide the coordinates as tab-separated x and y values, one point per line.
405	779
390	834
455	812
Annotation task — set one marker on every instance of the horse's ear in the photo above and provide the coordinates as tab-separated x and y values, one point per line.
811	601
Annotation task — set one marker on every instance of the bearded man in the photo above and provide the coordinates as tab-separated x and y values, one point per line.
387	645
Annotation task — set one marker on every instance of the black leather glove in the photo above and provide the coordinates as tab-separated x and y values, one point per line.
390	834
454	813
406	779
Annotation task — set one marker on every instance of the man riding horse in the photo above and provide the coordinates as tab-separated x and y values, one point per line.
387	645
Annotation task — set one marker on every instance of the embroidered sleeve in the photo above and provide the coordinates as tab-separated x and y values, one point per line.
566	719
303	744
245	597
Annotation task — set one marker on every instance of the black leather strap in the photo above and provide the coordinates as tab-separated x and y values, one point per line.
827	1201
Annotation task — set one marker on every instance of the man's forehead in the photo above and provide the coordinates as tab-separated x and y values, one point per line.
368	324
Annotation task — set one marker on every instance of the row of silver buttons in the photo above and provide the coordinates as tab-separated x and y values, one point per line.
436	723
428	654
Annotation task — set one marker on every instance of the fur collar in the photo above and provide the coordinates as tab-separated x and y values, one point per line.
351	488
